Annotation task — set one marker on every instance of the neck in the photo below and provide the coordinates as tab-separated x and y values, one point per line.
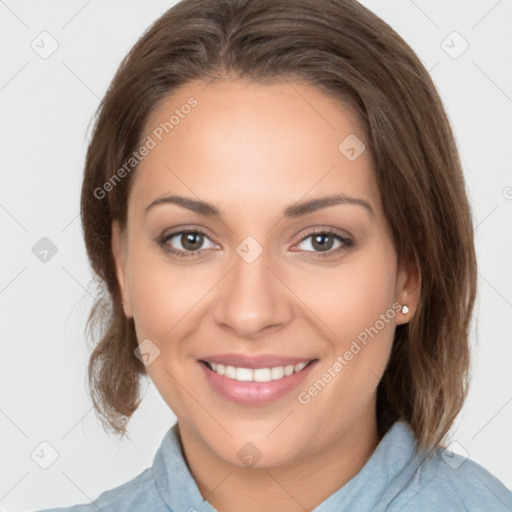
296	487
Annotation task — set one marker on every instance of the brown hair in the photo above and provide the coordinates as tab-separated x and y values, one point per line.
348	53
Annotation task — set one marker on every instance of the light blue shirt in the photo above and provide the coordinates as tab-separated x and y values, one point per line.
395	478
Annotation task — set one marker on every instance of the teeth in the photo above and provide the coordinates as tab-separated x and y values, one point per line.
244	374
262	374
277	372
300	366
257	375
230	372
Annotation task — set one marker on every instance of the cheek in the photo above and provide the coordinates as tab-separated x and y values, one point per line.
356	304
351	297
163	298
368	295
161	294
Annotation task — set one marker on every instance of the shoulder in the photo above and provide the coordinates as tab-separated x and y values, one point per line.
456	482
140	493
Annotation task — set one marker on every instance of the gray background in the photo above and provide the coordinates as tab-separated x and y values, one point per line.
47	102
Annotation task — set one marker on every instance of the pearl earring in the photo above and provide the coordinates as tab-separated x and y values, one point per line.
405	309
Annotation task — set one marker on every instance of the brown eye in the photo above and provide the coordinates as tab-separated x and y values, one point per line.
185	243
325	242
192	241
322	242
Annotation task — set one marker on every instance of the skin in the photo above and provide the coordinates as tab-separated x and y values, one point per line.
252	150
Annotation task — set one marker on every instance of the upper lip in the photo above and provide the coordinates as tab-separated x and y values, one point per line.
254	361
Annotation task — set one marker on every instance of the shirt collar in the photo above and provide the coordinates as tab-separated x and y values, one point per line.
384	475
391	460
175	483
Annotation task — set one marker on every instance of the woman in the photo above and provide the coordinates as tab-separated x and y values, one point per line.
274	201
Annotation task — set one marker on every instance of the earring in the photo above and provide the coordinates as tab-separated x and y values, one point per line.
405	309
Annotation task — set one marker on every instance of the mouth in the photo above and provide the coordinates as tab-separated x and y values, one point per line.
254	381
256	374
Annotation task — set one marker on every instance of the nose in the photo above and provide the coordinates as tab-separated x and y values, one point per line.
253	301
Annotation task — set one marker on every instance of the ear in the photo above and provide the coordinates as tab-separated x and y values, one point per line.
119	254
408	288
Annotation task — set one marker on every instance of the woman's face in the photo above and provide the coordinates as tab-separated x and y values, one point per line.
272	274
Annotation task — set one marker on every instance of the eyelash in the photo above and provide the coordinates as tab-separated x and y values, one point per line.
162	242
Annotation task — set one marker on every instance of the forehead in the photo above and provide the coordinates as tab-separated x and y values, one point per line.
247	145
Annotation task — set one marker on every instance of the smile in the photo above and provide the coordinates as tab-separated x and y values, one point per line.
254	381
256	375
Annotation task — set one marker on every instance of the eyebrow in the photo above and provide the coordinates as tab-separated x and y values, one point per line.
293	211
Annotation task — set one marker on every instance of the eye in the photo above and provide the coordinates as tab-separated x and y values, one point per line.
190	242
185	243
321	241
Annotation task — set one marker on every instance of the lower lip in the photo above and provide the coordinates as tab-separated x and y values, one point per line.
254	393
